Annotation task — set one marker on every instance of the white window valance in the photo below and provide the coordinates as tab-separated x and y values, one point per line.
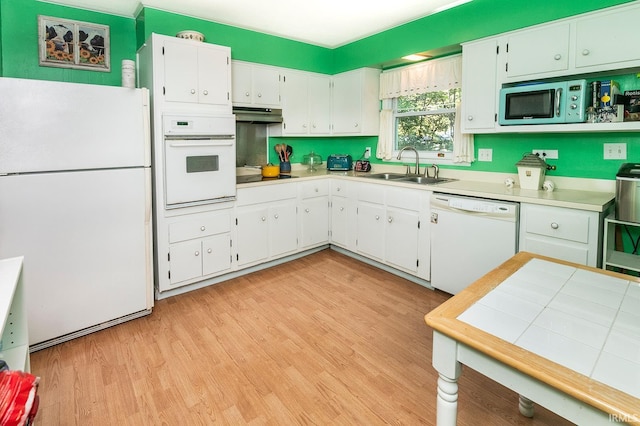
428	76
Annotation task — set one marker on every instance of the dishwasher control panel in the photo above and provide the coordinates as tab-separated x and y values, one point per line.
477	206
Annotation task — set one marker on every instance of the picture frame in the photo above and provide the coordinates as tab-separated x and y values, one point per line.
65	43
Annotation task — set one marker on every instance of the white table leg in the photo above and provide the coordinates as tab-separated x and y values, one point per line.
449	369
526	406
447	401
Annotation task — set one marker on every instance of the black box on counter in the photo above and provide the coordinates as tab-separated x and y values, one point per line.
631	102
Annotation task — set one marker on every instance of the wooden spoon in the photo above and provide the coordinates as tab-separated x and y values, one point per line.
279	151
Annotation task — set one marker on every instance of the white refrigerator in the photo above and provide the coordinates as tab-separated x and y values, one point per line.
75	201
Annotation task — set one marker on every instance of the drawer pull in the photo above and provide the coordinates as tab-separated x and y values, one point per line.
197	253
202	228
341	209
557	57
377	217
390	219
275	216
209	251
585	52
554	225
306	210
263	218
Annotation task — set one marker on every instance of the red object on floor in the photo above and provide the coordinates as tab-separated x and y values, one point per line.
18	397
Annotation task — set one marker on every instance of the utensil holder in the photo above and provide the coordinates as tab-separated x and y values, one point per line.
285	167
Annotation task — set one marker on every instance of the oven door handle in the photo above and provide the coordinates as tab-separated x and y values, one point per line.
201	144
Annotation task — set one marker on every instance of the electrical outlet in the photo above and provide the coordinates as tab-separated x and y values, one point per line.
546	154
615	151
367	152
485	154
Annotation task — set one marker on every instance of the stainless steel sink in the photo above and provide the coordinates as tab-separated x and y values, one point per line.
425	180
387	176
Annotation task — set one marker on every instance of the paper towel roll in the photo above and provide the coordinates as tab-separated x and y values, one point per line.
128	73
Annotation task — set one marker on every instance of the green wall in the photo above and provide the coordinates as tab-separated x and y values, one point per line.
19	42
580	154
245	45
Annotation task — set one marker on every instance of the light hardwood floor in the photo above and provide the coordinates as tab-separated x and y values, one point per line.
321	340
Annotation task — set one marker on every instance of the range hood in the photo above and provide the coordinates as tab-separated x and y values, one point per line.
257	115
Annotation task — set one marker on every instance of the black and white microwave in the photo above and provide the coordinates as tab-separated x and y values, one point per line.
544	103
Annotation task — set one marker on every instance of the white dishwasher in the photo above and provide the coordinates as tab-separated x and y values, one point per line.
469	237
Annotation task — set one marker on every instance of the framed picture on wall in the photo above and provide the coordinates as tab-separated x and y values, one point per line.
73	44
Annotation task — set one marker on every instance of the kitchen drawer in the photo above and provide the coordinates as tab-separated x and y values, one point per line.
408	199
555	222
314	188
197	226
339	188
371	193
571	252
266	193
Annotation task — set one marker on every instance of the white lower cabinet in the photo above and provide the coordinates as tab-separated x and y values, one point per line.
343	220
314	213
199	246
392	227
265	223
567	234
371	229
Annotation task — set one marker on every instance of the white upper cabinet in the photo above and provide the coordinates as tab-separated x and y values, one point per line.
609	39
306	103
183	73
479	94
255	85
537	51
196	73
355	102
570	48
595	42
345	104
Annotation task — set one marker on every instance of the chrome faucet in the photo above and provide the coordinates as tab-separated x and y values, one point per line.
417	172
435	168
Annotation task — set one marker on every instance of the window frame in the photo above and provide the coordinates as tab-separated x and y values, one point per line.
432	156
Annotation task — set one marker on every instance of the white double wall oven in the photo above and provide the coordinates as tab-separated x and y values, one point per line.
199	159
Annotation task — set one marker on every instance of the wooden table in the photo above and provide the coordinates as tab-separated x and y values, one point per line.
525	325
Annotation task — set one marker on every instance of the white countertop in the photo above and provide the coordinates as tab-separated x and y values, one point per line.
598	196
582	320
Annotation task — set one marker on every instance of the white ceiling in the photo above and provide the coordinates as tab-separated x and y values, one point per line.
327	23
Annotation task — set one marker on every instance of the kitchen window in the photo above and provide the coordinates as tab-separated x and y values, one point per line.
426	122
420	108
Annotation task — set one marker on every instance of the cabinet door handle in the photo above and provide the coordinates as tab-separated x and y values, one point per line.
470	118
557	57
390	219
341	209
377	217
275	216
338	189
355	125
246	93
259	95
202	228
205	92
209	251
585	52
554	225
306	210
197	253
193	91
264	218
